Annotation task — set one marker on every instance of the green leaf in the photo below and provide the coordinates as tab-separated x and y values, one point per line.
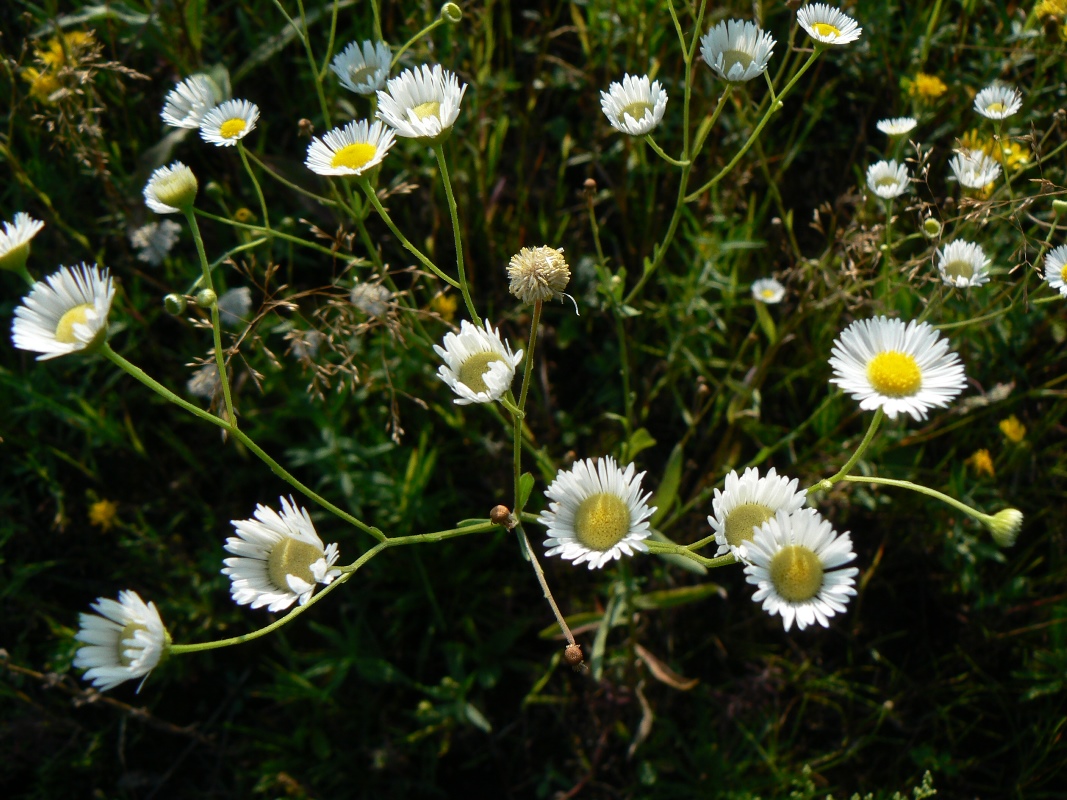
668	487
526	484
766	322
680	596
639	440
477	718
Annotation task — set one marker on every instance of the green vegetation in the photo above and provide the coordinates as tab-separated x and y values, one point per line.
438	668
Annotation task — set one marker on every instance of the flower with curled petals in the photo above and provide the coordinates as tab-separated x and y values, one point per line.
747	502
124	640
479	367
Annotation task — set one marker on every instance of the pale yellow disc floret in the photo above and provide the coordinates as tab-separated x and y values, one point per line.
602	521
353	156
1063	273
431	108
472	371
741	521
128	632
732	57
796	573
960	269
996	108
232	128
291	557
75	316
636	110
894	374
826	29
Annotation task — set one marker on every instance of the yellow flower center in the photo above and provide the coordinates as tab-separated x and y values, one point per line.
357	76
127	633
291	557
1063	273
636	110
960	268
996	108
602	521
741	521
731	58
232	128
767	294
76	315
826	30
886	180
431	108
353	156
472	372
796	573
894	374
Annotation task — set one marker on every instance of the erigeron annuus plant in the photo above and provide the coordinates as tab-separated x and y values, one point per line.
598	510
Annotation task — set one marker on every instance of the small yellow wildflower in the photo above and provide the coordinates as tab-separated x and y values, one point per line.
1013	429
445	305
103	514
1011	153
243	215
982	462
1051	8
42	84
926	88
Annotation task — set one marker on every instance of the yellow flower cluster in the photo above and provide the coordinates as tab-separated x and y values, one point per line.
58	52
445	305
1014	430
926	88
1012	154
982	463
1051	8
103	514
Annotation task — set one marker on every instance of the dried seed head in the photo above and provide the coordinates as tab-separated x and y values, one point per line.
501	515
590	185
538	273
573	655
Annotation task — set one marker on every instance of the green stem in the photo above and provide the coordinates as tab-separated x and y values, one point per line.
306	38
659	151
289	184
655	546
255	183
287	237
1004	162
396	56
540	573
454	212
915	487
842	474
329	45
216	327
425	261
138	374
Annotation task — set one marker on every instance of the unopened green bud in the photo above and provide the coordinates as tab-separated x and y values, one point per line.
206	298
931	228
174	304
1005	526
1059	207
450	12
213	188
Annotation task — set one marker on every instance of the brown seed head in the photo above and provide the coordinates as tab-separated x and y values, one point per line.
501	515
573	655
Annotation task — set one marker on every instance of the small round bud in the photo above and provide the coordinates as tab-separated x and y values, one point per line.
243	215
306	128
1005	526
500	515
573	655
206	298
931	228
538	273
1059	207
451	12
213	188
174	304
171	189
589	185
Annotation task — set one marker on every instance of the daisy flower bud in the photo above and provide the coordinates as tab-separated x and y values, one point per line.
15	241
1005	526
171	189
124	640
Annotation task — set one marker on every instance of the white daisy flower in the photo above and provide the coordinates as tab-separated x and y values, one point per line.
64	313
634	106
422	103
479	367
597	513
170	189
229	122
205	382
963	264
15	240
279	559
974	169
887	179
363	68
998	101
768	290
351	150
738	51
793	565
372	299
885	364
155	240
188	102
124	640
1056	269
746	503
827	25
897	126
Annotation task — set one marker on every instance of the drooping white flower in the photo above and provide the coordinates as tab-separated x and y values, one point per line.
155	240
65	312
124	640
597	513
737	50
747	502
188	102
372	299
794	563
974	169
897	126
351	150
887	179
886	364
205	382
228	123
479	367
171	189
363	67
1056	269
828	25
998	101
15	240
234	306
768	290
963	264
634	106
421	103
279	558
